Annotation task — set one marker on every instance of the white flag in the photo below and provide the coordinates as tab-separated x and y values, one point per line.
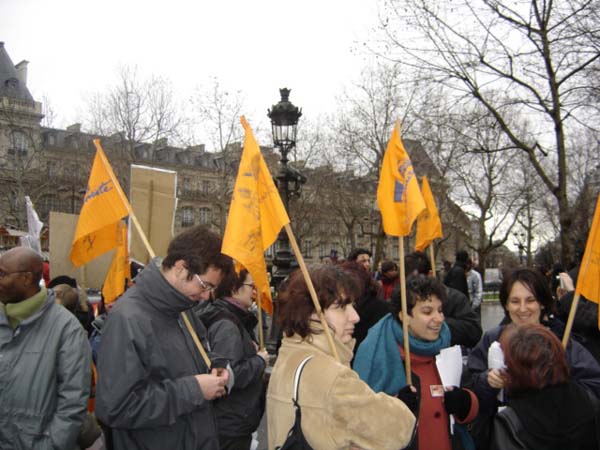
34	225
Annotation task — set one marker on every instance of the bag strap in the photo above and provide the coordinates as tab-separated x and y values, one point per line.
297	377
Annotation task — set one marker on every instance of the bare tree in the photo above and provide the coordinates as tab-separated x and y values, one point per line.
538	53
137	110
217	111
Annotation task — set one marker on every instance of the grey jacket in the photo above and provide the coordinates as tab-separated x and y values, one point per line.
45	374
146	391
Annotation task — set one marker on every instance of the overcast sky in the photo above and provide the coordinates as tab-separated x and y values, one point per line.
74	47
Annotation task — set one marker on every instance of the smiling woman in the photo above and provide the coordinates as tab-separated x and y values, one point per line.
526	298
380	361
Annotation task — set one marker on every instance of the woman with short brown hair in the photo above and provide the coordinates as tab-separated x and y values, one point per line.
339	411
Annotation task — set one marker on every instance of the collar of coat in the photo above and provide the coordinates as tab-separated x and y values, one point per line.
318	339
158	292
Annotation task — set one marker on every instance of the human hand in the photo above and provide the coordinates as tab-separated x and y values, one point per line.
264	355
495	379
457	401
410	396
213	385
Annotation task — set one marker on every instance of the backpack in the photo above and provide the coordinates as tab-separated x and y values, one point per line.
295	439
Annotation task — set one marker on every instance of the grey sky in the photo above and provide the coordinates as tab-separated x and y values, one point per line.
75	46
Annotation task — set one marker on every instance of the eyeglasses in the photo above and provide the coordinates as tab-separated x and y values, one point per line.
205	286
252	285
4	274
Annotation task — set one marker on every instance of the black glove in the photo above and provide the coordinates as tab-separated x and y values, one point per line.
457	402
410	398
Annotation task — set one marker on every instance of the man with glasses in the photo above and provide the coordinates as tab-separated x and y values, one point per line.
45	360
154	390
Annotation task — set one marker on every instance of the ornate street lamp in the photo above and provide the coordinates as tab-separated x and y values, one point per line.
284	121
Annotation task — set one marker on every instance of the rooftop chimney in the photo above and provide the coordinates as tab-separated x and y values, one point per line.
22	72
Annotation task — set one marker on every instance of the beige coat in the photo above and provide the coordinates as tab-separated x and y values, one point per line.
339	410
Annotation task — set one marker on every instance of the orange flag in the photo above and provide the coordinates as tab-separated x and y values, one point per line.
120	270
256	215
588	281
429	226
104	205
398	194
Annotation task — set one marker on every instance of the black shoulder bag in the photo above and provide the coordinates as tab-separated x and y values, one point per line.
295	439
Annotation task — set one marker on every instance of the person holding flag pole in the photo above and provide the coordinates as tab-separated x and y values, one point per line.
588	281
429	225
414	335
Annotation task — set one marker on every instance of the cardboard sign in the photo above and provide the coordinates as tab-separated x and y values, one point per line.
153	199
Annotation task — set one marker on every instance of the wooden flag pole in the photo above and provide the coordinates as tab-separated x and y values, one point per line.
432	257
312	291
404	310
570	320
261	339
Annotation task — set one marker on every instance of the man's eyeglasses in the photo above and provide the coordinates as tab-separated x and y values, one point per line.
4	274
205	286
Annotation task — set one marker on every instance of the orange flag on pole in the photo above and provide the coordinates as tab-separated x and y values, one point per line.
256	215
104	205
119	271
398	194
429	226
588	281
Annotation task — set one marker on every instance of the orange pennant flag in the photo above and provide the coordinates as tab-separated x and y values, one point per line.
120	270
104	205
256	216
398	194
429	226
588	280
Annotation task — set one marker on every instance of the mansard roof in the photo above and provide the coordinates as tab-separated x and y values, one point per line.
10	85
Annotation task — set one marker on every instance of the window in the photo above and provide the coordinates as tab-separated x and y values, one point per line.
323	250
307	248
205	216
187	184
19	145
187	216
49	202
52	168
269	252
205	187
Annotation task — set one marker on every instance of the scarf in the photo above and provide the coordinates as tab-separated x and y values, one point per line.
18	312
378	361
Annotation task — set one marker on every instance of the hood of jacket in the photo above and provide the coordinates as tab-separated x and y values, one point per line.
159	293
222	308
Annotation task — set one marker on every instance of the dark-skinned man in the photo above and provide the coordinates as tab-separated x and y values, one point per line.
45	360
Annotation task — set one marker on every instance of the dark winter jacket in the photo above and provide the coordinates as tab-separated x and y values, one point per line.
45	371
584	370
147	391
457	278
230	331
553	418
463	322
585	325
370	310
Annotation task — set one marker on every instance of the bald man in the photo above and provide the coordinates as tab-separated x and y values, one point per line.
45	360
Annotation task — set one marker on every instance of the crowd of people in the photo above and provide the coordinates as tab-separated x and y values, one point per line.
176	364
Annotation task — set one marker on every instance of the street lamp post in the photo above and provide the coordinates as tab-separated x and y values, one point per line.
520	246
284	121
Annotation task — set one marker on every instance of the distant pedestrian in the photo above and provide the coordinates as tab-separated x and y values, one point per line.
457	276
475	287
